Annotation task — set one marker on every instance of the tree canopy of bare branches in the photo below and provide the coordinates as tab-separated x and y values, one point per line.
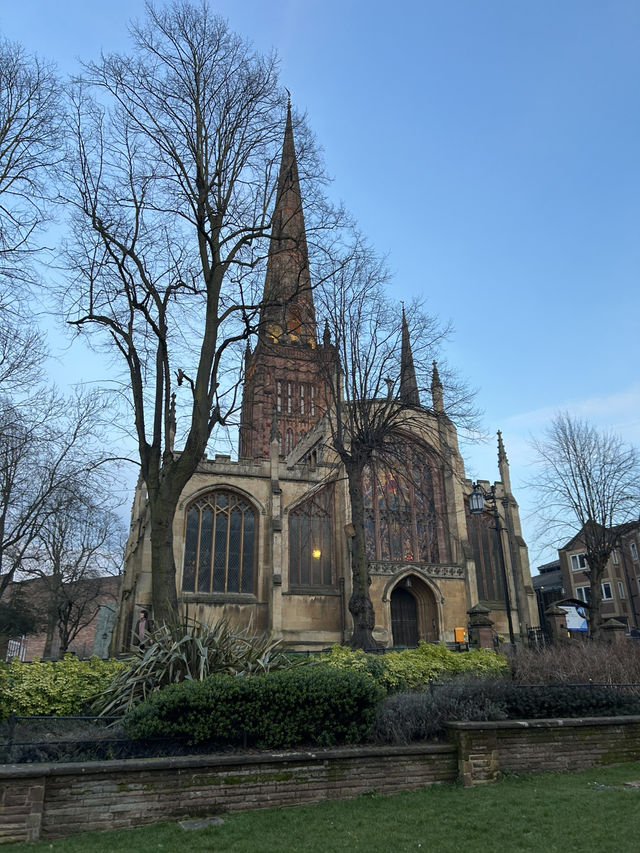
78	548
172	179
47	447
376	410
30	145
587	484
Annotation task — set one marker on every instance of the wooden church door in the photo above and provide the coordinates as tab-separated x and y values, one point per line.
404	618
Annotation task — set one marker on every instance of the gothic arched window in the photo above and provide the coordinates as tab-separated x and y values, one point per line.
486	553
220	543
311	541
400	512
289	446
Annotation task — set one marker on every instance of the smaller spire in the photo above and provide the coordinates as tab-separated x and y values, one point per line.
409	395
503	465
502	454
326	335
436	390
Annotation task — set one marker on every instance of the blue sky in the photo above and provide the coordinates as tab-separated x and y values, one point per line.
491	149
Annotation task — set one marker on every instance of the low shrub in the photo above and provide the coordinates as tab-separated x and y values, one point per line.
308	705
577	662
404	717
62	688
415	669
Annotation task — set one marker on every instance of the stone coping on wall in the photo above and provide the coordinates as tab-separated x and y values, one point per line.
189	762
547	723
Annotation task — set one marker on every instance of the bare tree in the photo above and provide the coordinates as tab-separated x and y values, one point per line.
172	181
44	445
375	410
30	145
588	482
77	551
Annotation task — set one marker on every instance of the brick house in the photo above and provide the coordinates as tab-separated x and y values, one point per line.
621	581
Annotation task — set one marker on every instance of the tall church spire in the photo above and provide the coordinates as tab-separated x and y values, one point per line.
409	395
286	384
288	314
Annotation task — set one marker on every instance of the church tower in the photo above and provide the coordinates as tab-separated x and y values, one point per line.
284	392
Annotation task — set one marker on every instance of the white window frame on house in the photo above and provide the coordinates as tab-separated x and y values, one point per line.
634	551
302	400
615	556
621	592
584	593
579	562
607	591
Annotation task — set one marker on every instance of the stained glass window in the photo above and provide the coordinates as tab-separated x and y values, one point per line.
486	552
311	542
219	550
400	512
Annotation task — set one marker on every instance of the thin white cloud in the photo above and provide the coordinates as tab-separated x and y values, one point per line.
618	412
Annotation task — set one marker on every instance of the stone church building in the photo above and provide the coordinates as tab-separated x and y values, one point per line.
265	540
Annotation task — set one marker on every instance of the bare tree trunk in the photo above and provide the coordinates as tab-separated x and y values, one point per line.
596	573
48	643
163	568
360	604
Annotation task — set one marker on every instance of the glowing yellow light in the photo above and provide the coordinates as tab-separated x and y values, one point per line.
316	553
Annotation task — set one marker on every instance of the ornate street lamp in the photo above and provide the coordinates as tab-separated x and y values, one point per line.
477	500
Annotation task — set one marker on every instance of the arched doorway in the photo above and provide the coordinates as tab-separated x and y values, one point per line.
404	618
414	612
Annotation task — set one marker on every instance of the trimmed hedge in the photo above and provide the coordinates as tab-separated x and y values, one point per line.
307	705
65	687
415	669
539	701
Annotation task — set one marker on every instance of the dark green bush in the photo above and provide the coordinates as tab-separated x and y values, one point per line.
306	705
538	701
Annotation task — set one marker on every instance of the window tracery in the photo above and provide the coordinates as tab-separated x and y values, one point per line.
220	540
311	541
400	512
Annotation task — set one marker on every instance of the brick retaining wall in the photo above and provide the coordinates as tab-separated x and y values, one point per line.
533	746
53	800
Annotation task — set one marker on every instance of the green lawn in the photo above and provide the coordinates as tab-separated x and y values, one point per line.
588	812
